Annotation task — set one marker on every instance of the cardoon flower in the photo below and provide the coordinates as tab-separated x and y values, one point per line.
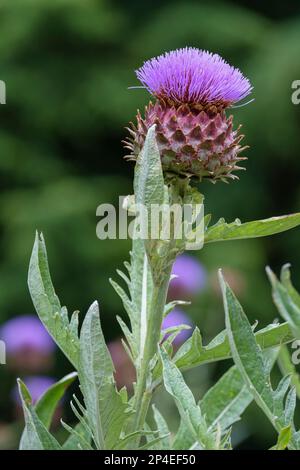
28	344
192	90
190	277
175	318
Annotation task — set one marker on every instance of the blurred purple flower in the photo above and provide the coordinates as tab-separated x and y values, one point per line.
36	385
124	369
191	75
178	317
191	277
26	332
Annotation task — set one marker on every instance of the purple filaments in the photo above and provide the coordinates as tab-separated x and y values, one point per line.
193	76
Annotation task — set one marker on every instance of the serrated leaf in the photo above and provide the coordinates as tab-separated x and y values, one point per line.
115	414
95	370
189	411
78	439
245	350
106	410
183	439
192	353
236	230
123	296
129	337
284	438
174	303
225	402
47	403
249	359
285	298
47	305
163	430
174	329
290	406
285	277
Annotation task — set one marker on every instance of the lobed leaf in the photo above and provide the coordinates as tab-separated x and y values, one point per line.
286	298
47	305
192	353
47	404
236	230
249	360
189	411
106	409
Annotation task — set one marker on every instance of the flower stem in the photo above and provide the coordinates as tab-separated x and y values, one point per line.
143	393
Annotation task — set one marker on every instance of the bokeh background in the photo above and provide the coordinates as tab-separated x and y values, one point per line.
67	65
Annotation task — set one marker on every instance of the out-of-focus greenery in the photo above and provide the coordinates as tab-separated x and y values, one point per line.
67	65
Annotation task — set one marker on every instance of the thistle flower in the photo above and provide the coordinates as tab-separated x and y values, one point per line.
192	90
28	344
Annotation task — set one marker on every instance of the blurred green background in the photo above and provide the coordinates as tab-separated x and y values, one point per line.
67	65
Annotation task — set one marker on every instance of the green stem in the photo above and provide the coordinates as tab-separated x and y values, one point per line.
143	391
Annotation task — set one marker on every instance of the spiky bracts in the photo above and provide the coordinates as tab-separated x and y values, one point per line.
191	143
195	138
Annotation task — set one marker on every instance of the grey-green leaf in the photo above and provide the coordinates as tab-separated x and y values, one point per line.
236	230
37	435
189	411
95	369
163	430
286	298
149	180
246	352
224	403
47	404
47	305
193	353
253	368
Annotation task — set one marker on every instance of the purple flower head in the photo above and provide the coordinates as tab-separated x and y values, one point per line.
191	276
193	76
178	317
26	333
37	385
